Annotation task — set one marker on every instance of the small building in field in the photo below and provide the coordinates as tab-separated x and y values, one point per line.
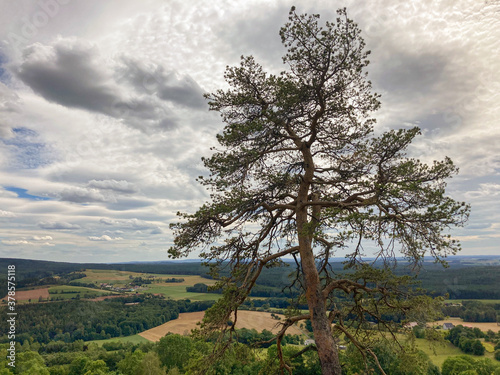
448	326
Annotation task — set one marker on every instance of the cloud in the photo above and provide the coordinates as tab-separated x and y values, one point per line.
131	204
24	242
121	186
72	73
134	224
26	149
10	107
57	225
104	238
82	195
41	238
182	90
486	190
256	33
157	230
411	74
114	194
7	214
168	86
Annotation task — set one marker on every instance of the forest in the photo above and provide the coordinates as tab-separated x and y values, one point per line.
96	320
176	354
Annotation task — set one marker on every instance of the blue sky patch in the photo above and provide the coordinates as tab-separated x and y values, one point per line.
26	150
22	193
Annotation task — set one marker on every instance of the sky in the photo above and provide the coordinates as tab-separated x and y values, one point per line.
103	122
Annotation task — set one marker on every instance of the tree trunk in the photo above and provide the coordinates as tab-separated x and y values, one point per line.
327	349
322	328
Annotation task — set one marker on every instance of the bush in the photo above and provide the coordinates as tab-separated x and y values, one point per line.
465	339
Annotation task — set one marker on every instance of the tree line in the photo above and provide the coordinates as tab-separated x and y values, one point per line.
467	339
473	311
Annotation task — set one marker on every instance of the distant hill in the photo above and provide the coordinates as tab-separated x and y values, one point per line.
468	277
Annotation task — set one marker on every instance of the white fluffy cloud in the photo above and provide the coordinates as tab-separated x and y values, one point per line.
104	237
9	109
7	214
42	238
25	242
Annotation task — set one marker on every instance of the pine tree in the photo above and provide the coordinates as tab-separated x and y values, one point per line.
300	173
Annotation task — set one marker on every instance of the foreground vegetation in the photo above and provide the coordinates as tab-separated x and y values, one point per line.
176	354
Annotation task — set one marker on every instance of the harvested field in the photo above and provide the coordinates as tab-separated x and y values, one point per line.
34	294
482	326
246	319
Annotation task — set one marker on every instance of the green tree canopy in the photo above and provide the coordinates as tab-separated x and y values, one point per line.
300	173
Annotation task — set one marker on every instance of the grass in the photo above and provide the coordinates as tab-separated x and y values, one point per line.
123	277
72	289
170	290
438	352
134	339
179	292
68	292
490	348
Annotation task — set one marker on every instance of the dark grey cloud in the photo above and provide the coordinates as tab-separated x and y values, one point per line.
71	73
184	91
108	192
157	230
168	86
55	225
411	75
130	204
83	195
67	74
435	90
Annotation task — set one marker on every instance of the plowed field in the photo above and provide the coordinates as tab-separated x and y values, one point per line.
34	294
246	319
